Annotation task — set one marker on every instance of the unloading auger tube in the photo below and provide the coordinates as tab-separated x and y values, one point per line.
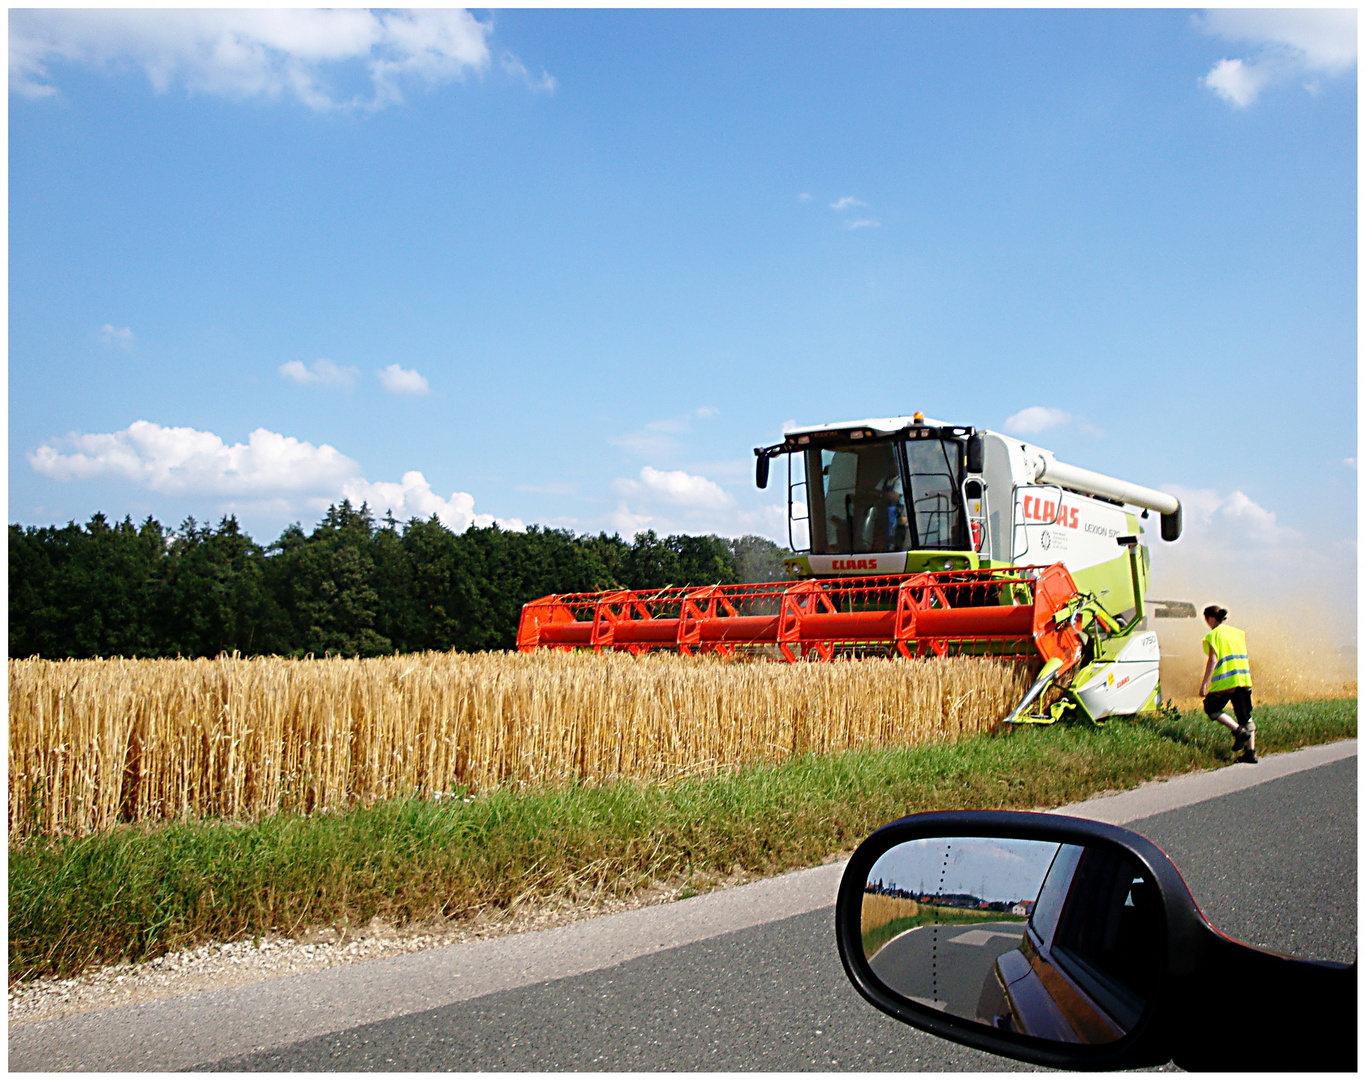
1052	471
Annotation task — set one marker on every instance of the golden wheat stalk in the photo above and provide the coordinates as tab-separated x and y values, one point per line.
97	742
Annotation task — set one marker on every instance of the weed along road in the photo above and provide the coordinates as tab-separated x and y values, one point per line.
748	978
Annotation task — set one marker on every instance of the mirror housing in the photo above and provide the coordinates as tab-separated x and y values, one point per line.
976	453
1305	1014
761	469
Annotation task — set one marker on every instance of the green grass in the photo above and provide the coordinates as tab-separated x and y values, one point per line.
138	892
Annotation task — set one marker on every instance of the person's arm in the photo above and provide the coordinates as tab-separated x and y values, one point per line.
1208	671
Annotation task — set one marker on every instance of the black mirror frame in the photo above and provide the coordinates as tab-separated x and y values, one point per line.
1304	1013
1147	1044
761	469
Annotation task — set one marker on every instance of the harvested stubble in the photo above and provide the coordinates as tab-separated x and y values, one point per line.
97	742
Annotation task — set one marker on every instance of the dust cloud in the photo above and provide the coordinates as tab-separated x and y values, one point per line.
1295	655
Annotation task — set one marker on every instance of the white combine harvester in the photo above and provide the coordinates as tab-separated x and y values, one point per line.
915	537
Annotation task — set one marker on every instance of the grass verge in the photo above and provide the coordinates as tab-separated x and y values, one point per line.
137	892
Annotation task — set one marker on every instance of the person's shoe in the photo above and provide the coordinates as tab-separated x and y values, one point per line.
1240	738
1248	757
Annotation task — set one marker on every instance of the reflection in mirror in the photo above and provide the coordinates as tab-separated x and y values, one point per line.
1056	941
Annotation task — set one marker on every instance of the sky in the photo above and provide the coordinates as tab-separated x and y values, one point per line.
988	869
569	267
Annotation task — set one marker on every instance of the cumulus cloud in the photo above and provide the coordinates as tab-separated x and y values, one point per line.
279	470
676	488
864	223
322	373
181	461
269	53
1284	45
846	202
1036	419
413	498
116	335
400	380
1237	83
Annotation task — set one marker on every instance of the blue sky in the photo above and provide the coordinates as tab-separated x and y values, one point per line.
569	267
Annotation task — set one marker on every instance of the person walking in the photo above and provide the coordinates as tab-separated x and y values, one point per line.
1227	679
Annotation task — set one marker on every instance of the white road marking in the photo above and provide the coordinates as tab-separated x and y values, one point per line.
983	937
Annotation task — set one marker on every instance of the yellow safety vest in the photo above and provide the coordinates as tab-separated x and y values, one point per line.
1231	667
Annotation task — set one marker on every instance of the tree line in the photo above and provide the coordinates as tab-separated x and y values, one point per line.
351	587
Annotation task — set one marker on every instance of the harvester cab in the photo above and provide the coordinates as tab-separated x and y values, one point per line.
917	538
908	495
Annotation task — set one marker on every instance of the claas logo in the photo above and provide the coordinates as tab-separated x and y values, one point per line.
1045	510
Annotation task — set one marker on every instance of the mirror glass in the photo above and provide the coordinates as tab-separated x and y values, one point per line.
1051	940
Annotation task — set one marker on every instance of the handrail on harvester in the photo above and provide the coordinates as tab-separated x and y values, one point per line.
1012	611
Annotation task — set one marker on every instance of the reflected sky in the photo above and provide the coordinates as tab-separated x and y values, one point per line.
988	868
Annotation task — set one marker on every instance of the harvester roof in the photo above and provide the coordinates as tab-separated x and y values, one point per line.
871	428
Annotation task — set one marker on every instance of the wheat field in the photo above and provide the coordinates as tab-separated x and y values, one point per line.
879	909
97	742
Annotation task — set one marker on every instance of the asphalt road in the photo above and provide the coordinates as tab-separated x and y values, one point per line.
947	965
1274	865
669	988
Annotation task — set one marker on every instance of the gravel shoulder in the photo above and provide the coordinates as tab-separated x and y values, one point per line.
217	966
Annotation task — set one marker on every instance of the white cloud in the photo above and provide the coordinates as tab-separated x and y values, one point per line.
846	202
413	498
253	53
1237	83
864	223
279	471
399	380
1036	419
676	488
1286	44
1323	39
182	461
805	196
116	335
322	373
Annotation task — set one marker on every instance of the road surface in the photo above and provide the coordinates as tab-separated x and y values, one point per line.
729	981
946	965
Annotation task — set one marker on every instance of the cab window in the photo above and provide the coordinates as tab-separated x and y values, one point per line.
859	504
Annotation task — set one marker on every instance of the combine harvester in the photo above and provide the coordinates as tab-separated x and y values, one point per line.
918	538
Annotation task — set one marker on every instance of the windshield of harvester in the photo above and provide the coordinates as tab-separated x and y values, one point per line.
859	497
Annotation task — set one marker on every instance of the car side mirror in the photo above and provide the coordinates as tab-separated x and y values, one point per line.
1072	944
761	469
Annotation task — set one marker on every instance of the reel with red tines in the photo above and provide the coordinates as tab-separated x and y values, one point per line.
1012	612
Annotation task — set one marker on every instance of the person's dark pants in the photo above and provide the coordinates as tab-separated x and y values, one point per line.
1240	696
